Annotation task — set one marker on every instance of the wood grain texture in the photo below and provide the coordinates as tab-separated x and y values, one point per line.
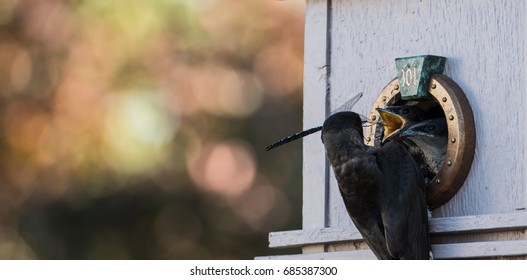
484	42
438	226
493	249
475	250
340	255
294	238
315	85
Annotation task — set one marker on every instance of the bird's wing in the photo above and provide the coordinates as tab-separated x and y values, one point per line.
360	181
404	210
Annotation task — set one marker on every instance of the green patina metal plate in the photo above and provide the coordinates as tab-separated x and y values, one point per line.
414	74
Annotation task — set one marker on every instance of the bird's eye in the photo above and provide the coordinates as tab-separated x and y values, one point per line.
431	128
406	111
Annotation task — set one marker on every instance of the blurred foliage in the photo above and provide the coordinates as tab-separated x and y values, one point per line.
136	129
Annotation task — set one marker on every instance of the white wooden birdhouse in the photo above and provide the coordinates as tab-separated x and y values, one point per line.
351	47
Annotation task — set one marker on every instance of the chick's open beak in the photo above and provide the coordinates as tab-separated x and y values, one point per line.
392	123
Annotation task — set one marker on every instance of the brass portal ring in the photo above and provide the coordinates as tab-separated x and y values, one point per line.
461	135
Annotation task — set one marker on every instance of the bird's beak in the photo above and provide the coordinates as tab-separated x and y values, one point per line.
392	123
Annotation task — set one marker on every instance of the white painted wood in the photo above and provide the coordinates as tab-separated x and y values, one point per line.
484	42
473	250
452	225
294	238
493	249
315	85
483	223
340	255
524	36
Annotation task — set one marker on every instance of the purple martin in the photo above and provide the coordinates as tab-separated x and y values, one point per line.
382	188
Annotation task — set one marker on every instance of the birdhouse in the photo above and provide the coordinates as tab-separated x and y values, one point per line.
351	47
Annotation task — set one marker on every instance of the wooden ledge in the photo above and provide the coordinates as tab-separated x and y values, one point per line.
438	226
471	250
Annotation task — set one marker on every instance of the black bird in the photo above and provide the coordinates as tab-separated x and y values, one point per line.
431	136
398	116
382	188
425	138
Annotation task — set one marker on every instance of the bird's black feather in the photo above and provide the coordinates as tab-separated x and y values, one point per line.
382	189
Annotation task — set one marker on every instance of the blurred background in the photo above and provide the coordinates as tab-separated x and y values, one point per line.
137	129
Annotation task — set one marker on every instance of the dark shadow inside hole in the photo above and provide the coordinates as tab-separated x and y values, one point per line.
428	146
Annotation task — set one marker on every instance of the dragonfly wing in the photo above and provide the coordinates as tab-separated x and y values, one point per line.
349	104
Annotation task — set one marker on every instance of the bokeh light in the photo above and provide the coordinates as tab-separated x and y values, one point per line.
226	169
136	129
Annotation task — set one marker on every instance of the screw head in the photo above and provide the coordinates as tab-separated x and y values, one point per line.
396	87
453	140
384	98
444	99
368	139
451	117
438	181
373	117
434	86
449	162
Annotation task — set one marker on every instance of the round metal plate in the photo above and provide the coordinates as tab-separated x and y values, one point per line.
461	135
